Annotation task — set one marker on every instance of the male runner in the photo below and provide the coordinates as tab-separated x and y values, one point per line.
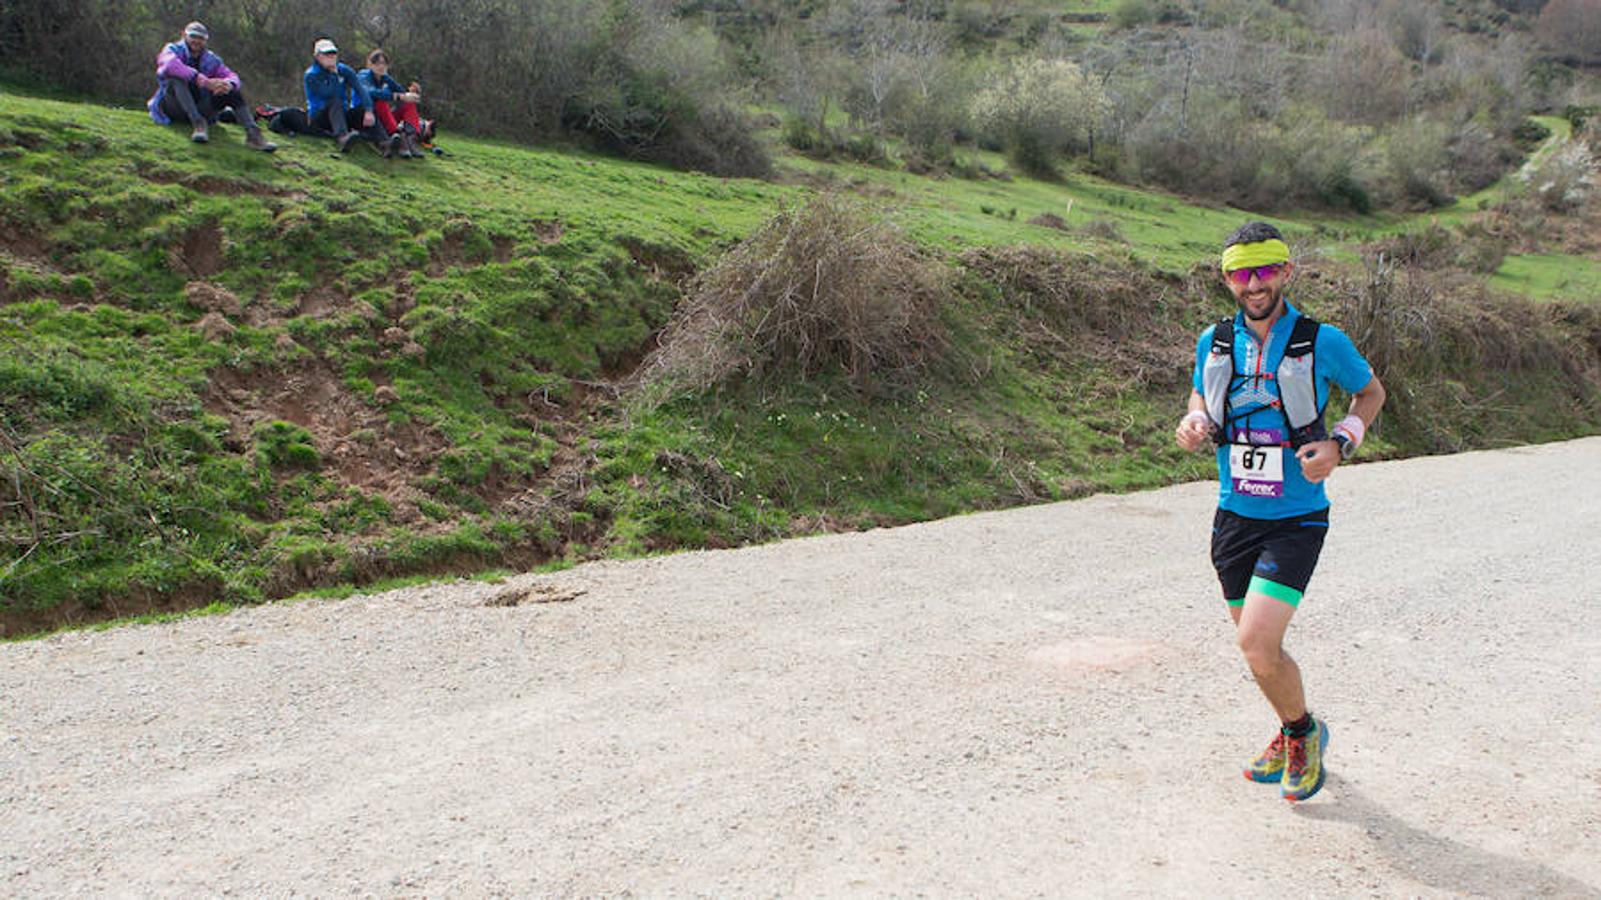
1261	384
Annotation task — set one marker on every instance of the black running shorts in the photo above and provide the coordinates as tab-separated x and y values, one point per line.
1267	556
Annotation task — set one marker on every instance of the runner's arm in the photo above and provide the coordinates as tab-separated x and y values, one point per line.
1366	403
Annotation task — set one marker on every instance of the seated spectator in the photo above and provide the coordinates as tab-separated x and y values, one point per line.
337	103
396	108
194	86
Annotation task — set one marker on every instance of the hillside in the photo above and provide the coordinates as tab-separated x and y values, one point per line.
230	377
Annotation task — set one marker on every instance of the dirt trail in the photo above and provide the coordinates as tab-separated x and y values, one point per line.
1039	701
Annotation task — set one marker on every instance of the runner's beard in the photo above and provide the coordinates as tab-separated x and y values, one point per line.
1274	307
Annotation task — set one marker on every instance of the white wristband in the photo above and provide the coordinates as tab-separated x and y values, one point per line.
1196	415
1353	428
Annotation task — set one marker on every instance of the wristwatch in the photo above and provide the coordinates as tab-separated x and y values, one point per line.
1347	446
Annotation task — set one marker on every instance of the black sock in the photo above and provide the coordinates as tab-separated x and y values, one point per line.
1300	727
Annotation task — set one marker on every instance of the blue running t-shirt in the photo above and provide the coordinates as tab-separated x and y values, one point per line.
1337	362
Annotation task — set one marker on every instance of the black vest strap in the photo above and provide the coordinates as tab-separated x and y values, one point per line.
1303	336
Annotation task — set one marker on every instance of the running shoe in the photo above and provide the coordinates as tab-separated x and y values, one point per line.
1303	763
1269	766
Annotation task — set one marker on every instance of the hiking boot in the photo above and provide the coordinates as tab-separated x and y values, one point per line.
1303	763
343	141
1268	767
200	135
255	140
388	146
411	144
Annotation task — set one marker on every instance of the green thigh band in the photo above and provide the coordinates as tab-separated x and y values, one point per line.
1260	585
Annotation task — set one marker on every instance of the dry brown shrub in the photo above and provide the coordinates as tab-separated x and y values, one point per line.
1448	348
1075	307
826	287
1105	229
1406	318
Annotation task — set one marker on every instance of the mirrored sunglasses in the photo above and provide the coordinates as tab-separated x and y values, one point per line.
1242	277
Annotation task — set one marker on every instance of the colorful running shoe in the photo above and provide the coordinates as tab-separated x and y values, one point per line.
1303	763
1269	766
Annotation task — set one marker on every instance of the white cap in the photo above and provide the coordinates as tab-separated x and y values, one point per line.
325	46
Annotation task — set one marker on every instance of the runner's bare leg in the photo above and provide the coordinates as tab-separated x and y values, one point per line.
1261	623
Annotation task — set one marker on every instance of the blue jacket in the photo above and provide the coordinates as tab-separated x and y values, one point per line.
324	87
384	88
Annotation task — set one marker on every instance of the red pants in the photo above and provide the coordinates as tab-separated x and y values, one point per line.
386	116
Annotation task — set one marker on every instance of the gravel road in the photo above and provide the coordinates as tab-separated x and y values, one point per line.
1041	701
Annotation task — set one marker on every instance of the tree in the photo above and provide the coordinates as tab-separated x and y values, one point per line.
1038	108
896	58
1416	28
808	79
1571	29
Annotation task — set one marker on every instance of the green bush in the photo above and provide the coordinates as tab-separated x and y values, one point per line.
56	385
1530	134
285	445
866	148
800	136
1135	13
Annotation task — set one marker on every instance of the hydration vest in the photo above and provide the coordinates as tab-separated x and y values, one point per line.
1295	380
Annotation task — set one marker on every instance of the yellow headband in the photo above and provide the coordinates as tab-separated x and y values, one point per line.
1261	253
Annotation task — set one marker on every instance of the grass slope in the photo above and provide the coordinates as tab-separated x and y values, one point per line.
227	375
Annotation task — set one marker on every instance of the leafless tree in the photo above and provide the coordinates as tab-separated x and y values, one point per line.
1571	29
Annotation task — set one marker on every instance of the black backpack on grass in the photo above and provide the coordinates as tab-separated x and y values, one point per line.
289	120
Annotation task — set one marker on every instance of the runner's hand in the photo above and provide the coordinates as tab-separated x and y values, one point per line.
367	119
1192	433
1318	459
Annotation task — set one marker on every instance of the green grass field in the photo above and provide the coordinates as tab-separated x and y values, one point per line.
1550	276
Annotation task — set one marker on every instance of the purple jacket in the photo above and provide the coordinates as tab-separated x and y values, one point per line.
175	61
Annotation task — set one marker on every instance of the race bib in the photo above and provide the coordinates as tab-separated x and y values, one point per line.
1257	471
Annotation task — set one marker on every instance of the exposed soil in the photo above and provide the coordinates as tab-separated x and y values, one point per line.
321	301
359	446
17	249
213	298
213	184
200	253
502	248
452	248
659	262
548	231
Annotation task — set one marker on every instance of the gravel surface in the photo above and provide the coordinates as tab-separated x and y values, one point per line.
1037	701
